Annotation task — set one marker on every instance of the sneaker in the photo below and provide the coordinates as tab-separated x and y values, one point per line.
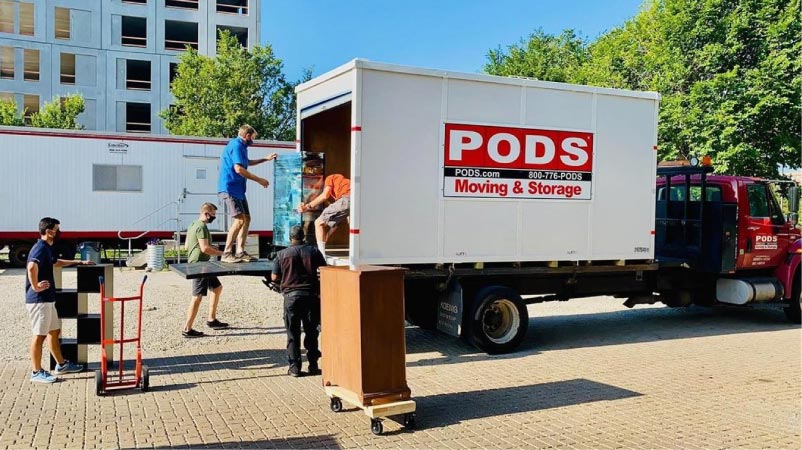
216	324
68	367
192	333
43	376
231	258
246	257
314	370
294	372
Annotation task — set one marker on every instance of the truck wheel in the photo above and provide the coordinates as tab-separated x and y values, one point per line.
18	254
794	311
498	320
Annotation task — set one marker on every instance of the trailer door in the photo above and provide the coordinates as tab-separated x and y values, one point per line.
200	186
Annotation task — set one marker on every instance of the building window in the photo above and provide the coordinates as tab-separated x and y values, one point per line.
186	4
134	31
7	63
239	7
63	23
173	72
137	75
31	105
67	68
177	35
137	117
6	16
120	178
241	34
26	19
136	2
7	97
30	60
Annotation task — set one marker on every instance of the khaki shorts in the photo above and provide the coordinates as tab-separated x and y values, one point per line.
44	318
336	213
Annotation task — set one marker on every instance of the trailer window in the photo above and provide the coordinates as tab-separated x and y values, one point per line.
119	178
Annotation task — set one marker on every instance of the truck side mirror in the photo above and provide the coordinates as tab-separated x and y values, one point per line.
793	204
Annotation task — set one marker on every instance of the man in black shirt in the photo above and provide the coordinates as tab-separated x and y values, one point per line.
296	269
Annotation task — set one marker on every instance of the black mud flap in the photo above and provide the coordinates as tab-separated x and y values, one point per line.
449	310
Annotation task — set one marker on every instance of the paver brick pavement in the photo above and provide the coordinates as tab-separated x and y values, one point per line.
609	378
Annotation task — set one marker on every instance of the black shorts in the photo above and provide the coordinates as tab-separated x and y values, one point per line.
235	206
201	286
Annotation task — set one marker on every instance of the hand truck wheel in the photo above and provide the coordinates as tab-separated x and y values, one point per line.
376	426
98	383
144	384
336	404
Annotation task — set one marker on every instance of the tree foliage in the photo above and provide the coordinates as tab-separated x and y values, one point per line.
61	113
215	95
9	114
729	72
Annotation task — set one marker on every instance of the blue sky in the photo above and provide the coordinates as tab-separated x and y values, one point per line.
442	34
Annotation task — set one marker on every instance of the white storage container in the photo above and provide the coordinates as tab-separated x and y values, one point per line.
450	167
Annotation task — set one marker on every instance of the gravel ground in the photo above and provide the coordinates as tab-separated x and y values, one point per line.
253	311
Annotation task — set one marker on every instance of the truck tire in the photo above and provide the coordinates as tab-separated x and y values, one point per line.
497	320
18	254
794	311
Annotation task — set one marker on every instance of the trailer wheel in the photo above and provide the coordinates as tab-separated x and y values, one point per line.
794	311
498	320
18	254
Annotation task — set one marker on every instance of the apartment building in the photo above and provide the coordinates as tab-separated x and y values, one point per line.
120	54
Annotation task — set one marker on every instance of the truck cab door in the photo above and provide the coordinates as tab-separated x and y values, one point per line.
766	232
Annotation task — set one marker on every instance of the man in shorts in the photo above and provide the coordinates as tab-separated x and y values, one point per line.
199	248
40	300
336	188
234	173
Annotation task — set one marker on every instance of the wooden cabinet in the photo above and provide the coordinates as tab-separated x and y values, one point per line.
362	332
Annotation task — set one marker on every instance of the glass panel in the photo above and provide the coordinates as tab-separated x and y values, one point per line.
758	203
129	178
63	25
31	59
31	105
6	16
26	19
67	68
104	178
7	62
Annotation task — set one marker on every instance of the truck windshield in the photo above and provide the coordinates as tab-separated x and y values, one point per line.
678	193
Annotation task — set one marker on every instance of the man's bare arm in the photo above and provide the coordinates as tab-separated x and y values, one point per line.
270	157
243	172
208	249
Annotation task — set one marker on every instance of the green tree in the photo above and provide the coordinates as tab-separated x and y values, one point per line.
729	71
542	56
9	115
62	113
215	95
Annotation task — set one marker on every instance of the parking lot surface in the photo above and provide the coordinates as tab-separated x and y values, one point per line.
591	374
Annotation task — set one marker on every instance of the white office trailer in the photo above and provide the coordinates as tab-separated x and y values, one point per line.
104	186
452	167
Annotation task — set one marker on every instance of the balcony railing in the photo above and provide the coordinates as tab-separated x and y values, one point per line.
232	9
184	4
173	44
67	78
134	41
30	75
137	85
137	127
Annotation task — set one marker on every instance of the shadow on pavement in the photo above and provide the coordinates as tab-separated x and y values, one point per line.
322	441
448	409
238	360
602	329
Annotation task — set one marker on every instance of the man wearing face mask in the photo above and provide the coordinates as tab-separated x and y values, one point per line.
199	248
40	298
231	186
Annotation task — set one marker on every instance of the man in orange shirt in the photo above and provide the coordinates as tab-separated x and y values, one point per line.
338	189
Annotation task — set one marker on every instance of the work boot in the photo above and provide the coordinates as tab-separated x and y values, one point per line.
295	372
229	257
313	369
245	257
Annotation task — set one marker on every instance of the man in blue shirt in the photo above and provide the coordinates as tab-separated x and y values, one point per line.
40	298
234	174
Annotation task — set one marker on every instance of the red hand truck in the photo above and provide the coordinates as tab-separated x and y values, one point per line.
141	377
